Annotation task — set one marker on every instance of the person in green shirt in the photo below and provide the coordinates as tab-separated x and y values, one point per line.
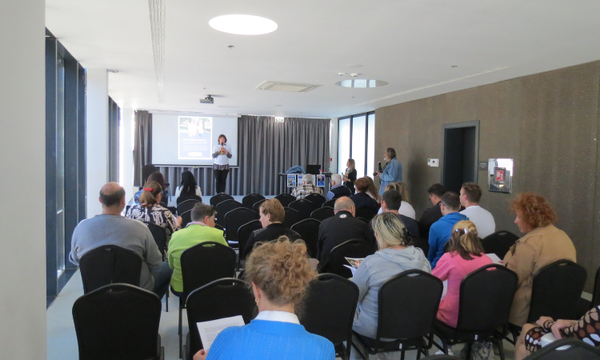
200	230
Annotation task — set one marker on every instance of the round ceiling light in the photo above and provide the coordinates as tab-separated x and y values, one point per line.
239	24
361	83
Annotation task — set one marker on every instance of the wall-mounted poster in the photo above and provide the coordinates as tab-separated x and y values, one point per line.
291	180
321	180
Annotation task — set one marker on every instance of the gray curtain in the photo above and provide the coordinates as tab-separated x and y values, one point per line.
142	153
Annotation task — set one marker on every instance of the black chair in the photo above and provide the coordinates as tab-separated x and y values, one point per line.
186	205
183	198
223	208
236	218
160	238
408	305
442	357
244	233
576	350
329	203
292	216
556	290
200	265
218	299
219	198
419	242
585	305
118	321
107	265
322	213
329	309
285	199
499	243
316	199
486	297
366	213
355	248
309	232
250	199
256	206
304	207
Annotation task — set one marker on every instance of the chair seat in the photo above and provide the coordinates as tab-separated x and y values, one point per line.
449	332
400	344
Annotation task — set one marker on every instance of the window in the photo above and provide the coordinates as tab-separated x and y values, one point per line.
356	140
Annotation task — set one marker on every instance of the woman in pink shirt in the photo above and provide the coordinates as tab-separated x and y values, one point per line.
465	255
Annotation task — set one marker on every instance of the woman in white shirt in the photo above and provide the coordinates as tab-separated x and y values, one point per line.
406	208
188	188
221	155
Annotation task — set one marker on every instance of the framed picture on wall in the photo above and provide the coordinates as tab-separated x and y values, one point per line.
291	180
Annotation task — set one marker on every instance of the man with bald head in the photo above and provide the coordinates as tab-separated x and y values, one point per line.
110	228
340	228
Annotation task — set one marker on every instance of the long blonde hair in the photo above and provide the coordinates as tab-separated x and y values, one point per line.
351	165
390	230
465	240
400	187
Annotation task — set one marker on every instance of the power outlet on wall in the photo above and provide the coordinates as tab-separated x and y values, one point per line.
433	162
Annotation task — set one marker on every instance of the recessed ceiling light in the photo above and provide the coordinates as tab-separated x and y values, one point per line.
239	24
361	83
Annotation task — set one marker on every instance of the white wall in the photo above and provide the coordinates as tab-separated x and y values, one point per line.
126	152
22	156
96	137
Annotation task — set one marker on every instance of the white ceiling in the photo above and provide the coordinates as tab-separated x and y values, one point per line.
412	44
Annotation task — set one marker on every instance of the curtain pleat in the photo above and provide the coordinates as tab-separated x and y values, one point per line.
142	153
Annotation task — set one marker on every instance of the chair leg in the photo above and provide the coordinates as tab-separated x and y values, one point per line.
501	349
469	345
167	301
180	331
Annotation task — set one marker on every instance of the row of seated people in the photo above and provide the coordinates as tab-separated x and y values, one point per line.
533	215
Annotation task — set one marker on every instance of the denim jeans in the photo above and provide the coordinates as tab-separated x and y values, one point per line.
162	278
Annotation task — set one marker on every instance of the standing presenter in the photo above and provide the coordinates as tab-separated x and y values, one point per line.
221	154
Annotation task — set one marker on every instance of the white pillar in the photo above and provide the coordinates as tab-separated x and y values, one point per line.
96	137
126	152
22	159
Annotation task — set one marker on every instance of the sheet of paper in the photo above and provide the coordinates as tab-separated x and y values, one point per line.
354	261
209	330
495	258
353	269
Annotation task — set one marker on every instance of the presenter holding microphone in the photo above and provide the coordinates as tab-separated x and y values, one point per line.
221	154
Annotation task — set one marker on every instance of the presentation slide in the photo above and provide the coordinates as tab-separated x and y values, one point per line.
188	139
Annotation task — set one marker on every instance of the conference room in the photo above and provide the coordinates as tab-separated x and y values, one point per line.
93	92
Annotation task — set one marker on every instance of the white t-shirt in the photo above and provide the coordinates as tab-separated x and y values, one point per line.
178	191
483	220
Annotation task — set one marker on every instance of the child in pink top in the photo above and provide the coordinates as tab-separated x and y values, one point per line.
465	255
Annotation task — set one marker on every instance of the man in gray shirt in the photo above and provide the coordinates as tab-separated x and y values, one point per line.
110	228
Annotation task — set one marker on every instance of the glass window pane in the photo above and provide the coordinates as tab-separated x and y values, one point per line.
371	145
359	143
343	143
60	166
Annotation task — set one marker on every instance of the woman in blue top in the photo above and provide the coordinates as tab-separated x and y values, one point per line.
279	272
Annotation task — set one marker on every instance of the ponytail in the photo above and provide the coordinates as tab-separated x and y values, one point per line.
465	240
149	195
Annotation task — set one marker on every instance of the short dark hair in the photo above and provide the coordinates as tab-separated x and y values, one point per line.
222	136
473	191
200	211
437	190
391	153
112	198
392	199
451	200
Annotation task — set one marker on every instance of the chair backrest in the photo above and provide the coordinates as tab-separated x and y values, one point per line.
117	321
244	233
218	299
486	296
219	198
408	305
556	290
236	218
566	349
256	206
354	248
186	218
285	199
206	262
109	264
186	205
365	212
316	199
329	307
292	216
322	213
183	198
160	237
309	232
223	208
249	200
304	207
329	203
499	242
596	293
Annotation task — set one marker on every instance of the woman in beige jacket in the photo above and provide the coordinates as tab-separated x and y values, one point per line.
542	245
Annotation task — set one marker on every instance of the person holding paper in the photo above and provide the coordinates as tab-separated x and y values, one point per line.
533	337
221	155
279	272
394	256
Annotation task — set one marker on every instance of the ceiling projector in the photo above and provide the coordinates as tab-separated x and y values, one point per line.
207	100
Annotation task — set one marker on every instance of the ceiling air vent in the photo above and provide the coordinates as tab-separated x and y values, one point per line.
286	86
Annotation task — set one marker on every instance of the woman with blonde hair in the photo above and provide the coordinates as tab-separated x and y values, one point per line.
465	255
279	273
350	175
393	257
406	208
